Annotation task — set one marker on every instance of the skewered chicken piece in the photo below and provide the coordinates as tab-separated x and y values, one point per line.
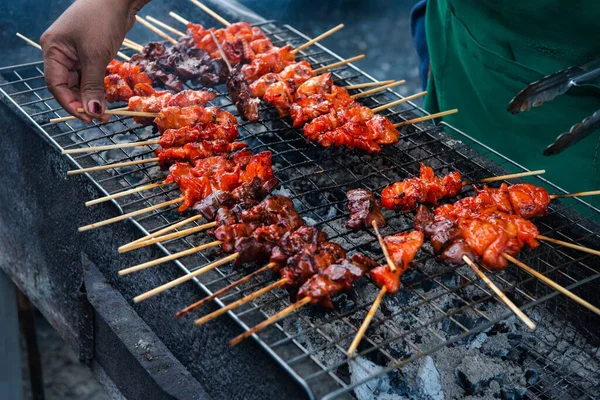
486	236
364	210
158	100
402	248
218	173
124	80
181	117
426	189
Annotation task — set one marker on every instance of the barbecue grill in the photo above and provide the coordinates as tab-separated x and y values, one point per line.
442	310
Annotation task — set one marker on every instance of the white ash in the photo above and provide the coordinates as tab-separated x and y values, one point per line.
428	381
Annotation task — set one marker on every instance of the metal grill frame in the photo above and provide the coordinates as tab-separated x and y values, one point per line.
475	162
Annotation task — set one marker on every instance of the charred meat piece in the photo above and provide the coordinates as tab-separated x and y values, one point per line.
332	280
364	209
426	189
402	247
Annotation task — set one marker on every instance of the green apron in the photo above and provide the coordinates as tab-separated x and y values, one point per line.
484	52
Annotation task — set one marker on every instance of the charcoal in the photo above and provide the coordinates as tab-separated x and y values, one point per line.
476	372
428	380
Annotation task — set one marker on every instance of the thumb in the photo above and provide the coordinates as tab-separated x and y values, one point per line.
92	88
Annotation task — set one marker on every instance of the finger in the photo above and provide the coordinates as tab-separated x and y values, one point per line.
92	87
56	73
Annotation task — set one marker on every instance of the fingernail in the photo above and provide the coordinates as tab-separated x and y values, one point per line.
94	107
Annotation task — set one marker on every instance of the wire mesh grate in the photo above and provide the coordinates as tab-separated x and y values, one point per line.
440	306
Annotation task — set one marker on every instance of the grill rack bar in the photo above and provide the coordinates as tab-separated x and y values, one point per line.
301	163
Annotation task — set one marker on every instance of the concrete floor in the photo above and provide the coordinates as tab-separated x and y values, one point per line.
379	29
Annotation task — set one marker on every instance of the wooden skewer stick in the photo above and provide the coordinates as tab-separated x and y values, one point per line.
509	176
500	294
168	258
211	12
128	113
185	278
154	29
271	320
226	289
110	147
320	37
552	284
363	327
132	46
111	166
170	236
240	302
383	247
123	56
116	111
72	118
367	84
161	231
379	89
426	118
578	194
178	18
401	101
124	193
129	215
164	26
382	292
29	41
221	52
339	63
568	244
37	46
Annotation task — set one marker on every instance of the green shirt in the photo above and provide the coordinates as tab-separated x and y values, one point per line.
484	52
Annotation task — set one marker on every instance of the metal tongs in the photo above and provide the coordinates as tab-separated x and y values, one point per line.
554	85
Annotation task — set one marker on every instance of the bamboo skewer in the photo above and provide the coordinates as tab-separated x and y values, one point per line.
226	289
552	284
426	118
72	118
164	230
178	18
568	244
116	111
170	236
386	254
221	52
363	327
155	29
168	258
129	215
339	63
164	26
124	193
132	46
110	147
29	41
368	84
111	166
500	294
271	320
397	102
123	56
578	194
379	89
211	12
240	302
318	38
504	177
185	278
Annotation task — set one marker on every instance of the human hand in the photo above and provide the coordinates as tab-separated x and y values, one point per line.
78	47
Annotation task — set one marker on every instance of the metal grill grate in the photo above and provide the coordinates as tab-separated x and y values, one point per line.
440	306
